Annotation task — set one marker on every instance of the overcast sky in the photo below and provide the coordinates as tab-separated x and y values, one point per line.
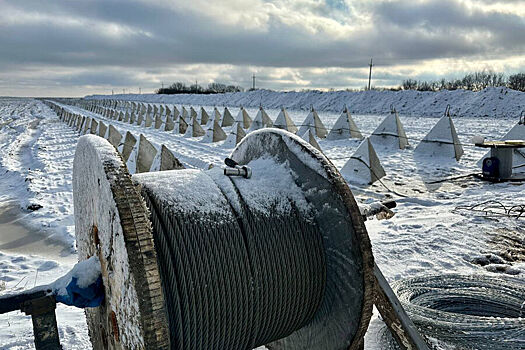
67	48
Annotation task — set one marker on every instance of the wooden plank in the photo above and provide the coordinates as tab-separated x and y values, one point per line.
401	326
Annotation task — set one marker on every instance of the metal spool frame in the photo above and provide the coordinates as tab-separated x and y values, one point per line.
113	222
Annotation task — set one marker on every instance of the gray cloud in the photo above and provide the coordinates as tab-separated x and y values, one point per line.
291	44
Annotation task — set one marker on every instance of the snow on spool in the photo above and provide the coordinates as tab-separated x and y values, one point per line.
280	259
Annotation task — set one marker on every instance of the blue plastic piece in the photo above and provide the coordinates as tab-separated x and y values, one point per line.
91	296
491	168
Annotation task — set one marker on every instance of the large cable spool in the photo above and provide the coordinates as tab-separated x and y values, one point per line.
281	259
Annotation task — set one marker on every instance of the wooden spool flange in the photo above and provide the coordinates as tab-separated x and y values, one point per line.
111	222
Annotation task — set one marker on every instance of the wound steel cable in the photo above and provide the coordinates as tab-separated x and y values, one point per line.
240	280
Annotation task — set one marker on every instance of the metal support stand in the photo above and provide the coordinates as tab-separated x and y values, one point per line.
42	311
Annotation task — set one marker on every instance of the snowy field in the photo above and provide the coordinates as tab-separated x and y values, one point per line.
427	234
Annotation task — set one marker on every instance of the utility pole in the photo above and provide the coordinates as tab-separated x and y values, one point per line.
140	91
162	84
253	81
370	74
111	91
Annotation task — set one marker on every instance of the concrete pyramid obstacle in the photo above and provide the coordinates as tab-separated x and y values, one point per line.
217	115
244	118
140	117
314	123
237	133
262	120
194	129
114	136
390	132
94	127
175	114
127	116
284	122
203	116
193	113
127	147
102	128
145	156
155	111
215	133
442	140
364	166
185	113
149	121
141	114
169	124
310	138
132	118
345	128
227	118
158	121
87	126
121	116
106	133
181	126
165	160
80	125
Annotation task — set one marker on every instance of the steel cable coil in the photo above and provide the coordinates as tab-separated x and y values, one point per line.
240	280
469	311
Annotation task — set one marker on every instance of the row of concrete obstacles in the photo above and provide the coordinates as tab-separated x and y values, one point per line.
389	132
139	154
363	166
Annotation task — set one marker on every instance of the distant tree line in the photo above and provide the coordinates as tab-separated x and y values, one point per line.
473	81
213	88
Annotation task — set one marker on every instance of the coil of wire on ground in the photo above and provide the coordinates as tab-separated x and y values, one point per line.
468	311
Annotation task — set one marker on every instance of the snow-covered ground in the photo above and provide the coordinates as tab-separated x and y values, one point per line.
491	102
36	247
427	234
